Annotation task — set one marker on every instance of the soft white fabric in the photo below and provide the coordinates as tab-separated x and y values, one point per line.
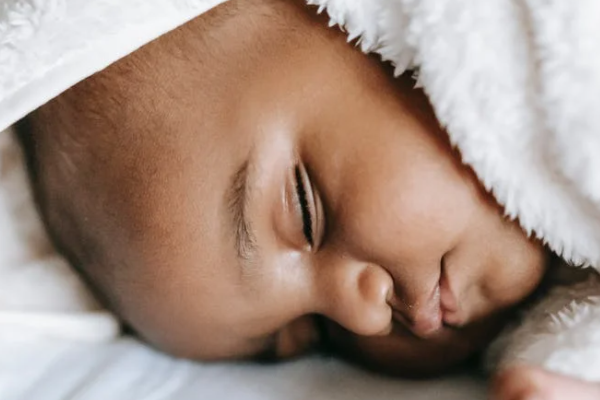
127	370
46	46
514	82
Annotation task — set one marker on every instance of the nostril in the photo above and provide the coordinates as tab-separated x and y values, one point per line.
365	310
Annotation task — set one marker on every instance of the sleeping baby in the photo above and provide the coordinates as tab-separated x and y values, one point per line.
249	186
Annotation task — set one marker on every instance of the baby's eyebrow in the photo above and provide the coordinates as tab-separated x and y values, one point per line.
237	200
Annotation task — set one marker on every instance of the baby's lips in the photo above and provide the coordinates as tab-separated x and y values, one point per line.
451	313
422	317
454	320
427	323
424	320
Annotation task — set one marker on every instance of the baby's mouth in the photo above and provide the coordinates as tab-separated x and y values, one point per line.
323	327
430	315
449	305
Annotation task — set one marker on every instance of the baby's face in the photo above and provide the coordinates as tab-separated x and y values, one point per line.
260	204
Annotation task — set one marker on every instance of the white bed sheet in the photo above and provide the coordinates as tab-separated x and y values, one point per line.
127	370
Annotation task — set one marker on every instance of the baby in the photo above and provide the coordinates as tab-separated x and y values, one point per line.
250	186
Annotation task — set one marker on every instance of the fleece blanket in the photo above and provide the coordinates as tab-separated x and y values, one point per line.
514	82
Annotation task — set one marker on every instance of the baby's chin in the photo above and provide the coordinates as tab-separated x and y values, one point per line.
402	354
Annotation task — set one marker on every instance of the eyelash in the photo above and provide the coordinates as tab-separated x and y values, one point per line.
306	216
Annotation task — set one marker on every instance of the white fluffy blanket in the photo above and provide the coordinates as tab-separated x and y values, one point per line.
516	83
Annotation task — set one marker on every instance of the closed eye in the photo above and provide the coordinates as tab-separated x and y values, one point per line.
307	218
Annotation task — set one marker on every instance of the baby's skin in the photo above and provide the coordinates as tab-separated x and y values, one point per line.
250	186
527	383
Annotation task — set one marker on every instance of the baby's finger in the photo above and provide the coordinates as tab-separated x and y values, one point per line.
527	383
521	383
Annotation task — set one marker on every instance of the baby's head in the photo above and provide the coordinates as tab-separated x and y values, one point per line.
251	186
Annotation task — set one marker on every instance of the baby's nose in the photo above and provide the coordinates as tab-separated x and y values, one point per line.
356	296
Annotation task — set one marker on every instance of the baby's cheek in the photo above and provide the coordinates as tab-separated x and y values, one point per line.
518	273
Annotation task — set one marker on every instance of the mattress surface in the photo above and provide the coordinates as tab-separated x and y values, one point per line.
127	370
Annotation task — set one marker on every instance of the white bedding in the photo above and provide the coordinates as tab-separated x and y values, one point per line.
127	370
